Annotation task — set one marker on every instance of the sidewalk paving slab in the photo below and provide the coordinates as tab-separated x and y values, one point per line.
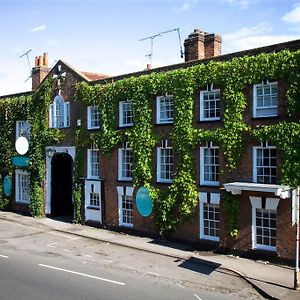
271	281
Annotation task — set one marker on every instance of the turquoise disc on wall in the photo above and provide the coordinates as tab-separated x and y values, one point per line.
7	185
144	202
20	161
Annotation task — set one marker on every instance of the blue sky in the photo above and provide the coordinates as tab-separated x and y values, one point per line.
103	36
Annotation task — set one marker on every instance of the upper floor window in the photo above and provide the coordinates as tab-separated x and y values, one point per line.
164	162
22	129
264	164
164	109
209	165
265	100
93	163
210	105
93	117
125	113
59	113
125	159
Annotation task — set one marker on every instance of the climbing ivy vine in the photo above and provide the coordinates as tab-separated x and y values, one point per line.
173	204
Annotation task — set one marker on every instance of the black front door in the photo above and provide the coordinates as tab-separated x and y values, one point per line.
61	185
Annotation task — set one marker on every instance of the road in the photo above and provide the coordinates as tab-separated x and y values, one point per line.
41	263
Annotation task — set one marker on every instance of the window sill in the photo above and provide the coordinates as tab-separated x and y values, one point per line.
22	203
164	123
265	117
164	182
125	180
208	184
209	120
126	225
125	125
94	128
210	239
264	248
93	208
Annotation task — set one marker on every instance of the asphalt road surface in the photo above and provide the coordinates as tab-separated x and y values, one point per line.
40	263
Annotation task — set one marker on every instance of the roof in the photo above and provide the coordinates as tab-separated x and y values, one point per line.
94	76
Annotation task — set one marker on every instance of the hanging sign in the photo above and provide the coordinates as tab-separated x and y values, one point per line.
20	161
144	202
22	145
7	186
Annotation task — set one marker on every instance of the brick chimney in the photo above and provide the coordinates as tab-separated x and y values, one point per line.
200	45
40	70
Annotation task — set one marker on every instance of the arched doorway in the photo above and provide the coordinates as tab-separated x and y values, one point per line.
61	185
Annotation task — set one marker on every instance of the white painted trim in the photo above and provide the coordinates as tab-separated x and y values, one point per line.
120	191
71	152
120	177
201	223
254	112
89	157
89	119
20	172
158	167
201	106
158	120
92	214
121	111
282	191
202	181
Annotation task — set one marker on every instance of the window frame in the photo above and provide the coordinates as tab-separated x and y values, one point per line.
19	194
262	147
64	110
125	149
164	146
159	120
123	193
19	127
90	163
257	108
122	111
202	166
202	117
90	120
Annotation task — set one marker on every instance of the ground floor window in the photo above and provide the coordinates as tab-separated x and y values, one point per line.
264	223
93	200
265	228
209	216
125	204
22	186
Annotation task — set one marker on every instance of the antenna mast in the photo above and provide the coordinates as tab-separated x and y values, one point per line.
152	37
27	55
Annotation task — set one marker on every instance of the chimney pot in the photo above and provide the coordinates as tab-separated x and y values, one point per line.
149	67
36	61
41	61
45	59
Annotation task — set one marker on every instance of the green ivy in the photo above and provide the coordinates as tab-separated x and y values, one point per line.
178	201
231	207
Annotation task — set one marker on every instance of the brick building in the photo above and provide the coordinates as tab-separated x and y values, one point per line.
109	197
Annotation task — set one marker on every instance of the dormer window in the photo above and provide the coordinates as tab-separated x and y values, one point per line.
59	113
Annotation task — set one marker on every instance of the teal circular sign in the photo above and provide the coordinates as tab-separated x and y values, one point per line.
7	185
144	202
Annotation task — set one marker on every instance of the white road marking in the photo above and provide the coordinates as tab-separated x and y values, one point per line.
155	274
88	255
197	297
107	260
66	250
74	239
52	245
82	274
3	256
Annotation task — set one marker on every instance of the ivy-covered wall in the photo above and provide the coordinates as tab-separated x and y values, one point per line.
177	202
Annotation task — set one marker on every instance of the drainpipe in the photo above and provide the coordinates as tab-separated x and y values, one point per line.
297	272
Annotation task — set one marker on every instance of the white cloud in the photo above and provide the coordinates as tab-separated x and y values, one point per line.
187	5
240	3
253	37
293	16
38	28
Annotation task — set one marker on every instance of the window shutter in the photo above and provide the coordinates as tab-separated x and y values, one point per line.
51	116
89	117
67	114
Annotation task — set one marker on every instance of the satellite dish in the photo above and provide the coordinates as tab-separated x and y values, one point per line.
22	145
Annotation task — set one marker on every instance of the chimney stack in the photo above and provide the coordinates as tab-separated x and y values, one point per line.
201	45
40	70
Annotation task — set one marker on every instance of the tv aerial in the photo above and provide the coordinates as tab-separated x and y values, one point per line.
152	37
27	56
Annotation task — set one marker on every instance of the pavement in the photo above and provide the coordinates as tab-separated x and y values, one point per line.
271	281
